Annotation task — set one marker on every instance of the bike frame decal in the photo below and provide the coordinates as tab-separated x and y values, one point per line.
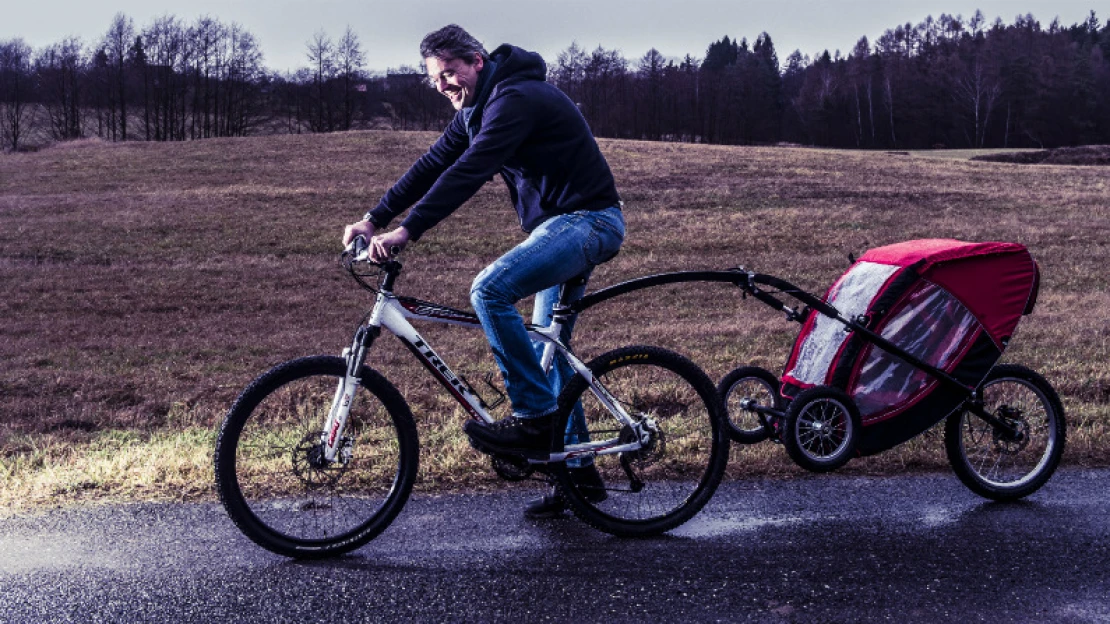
394	318
337	416
428	311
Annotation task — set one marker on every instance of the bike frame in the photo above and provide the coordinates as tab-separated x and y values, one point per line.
393	314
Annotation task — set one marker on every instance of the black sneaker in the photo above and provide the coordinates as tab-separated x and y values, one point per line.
512	435
552	505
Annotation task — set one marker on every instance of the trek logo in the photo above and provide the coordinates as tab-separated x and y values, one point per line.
433	360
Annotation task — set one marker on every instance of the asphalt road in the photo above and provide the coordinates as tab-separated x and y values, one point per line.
822	549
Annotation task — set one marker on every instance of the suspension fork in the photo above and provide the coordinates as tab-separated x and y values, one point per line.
355	355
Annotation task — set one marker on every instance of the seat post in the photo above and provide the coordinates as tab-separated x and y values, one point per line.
561	313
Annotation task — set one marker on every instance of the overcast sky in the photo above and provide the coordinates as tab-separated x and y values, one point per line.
390	31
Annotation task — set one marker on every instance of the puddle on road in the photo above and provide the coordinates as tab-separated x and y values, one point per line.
22	554
707	526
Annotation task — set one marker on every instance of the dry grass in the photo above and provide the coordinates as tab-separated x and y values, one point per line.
143	285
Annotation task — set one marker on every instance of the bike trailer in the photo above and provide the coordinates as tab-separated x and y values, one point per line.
951	304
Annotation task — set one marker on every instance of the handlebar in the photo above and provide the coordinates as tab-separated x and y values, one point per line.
358	250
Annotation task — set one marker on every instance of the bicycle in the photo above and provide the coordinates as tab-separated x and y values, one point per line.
318	455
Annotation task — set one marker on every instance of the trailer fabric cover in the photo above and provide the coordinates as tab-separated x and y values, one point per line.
951	304
993	279
851	294
934	327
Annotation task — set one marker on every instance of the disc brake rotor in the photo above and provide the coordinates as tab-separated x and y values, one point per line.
651	451
310	465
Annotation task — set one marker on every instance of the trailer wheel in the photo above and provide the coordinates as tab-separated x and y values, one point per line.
820	429
744	391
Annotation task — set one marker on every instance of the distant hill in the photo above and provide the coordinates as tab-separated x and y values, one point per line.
1086	155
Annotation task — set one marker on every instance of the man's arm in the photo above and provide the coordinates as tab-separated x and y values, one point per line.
421	175
506	123
414	184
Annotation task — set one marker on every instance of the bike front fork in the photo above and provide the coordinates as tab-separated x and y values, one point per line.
331	438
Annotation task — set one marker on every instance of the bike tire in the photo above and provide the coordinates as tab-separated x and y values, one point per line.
820	429
748	382
683	467
284	503
1000	469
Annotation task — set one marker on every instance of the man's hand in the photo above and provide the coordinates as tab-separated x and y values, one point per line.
364	229
380	246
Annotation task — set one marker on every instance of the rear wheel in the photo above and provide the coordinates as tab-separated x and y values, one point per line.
274	481
667	481
993	463
743	392
820	429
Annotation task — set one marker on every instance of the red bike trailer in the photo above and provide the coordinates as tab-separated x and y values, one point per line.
951	305
909	335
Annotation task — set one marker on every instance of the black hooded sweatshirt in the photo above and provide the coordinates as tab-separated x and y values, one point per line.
521	127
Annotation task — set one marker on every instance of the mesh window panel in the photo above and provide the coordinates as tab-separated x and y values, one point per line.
933	326
851	295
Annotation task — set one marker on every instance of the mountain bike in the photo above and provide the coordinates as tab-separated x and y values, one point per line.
318	455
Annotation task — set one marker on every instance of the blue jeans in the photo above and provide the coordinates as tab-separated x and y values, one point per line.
560	249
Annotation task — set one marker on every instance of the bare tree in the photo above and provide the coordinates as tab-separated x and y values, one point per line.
206	37
168	55
60	67
861	77
116	45
976	89
16	111
242	77
350	61
321	57
569	72
650	74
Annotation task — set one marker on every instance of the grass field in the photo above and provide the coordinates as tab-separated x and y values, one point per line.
143	285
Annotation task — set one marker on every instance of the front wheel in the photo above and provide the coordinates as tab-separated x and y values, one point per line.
274	481
1002	466
674	474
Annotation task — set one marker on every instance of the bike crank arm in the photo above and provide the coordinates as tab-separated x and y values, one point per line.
587	450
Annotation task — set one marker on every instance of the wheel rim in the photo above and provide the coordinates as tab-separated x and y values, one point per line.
824	429
740	400
1002	461
284	483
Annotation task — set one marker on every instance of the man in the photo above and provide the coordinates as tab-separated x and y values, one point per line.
511	121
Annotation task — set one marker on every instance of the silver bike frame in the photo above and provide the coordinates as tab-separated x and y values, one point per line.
393	313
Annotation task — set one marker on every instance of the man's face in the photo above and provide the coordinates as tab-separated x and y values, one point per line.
455	78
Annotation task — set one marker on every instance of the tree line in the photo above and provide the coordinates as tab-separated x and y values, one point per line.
949	82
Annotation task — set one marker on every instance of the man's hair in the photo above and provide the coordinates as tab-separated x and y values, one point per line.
452	42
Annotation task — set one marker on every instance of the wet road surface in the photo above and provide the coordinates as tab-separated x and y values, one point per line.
822	549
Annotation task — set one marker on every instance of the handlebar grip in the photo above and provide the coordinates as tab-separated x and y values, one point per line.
359	244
